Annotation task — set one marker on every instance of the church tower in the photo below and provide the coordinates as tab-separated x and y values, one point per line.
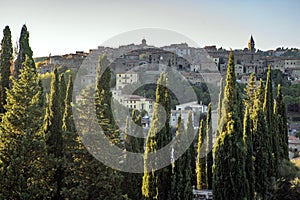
251	44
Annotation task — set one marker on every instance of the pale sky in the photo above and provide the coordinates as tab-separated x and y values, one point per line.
65	26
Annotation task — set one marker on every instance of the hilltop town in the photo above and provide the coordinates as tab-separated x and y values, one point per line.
196	65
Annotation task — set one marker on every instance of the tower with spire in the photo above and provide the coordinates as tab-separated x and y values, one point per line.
251	44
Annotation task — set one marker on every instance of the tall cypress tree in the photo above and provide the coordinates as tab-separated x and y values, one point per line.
157	184
250	93
136	145
221	95
6	59
24	49
249	168
178	171
73	186
209	156
104	182
23	149
150	186
103	98
268	108
229	179
260	149
53	132
201	159
282	128
63	90
164	136
182	189
191	135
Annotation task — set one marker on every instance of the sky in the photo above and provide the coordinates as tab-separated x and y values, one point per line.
64	26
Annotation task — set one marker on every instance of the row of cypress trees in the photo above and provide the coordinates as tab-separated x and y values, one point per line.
248	153
41	155
192	168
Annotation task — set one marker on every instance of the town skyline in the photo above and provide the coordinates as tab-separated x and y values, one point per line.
64	27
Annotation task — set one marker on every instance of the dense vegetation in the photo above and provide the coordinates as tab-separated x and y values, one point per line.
42	155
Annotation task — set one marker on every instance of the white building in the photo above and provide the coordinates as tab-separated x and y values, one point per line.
123	79
134	101
179	49
184	110
194	106
292	64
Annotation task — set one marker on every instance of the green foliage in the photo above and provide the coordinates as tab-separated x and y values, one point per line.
209	145
103	98
249	168
24	49
133	143
221	95
291	97
260	150
54	135
268	108
154	182
229	178
22	150
191	135
6	59
282	128
201	159
181	177
279	78
104	182
250	93
288	186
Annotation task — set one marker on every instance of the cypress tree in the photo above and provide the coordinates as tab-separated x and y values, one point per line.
178	166
22	143
221	95
260	150
6	59
268	108
150	188
63	90
135	145
104	182
24	49
103	101
229	178
259	93
164	137
161	188
250	93
249	168
209	156
72	183
282	128
182	166
201	159
53	132
191	134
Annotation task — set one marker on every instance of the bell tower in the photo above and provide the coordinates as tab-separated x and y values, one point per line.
251	44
